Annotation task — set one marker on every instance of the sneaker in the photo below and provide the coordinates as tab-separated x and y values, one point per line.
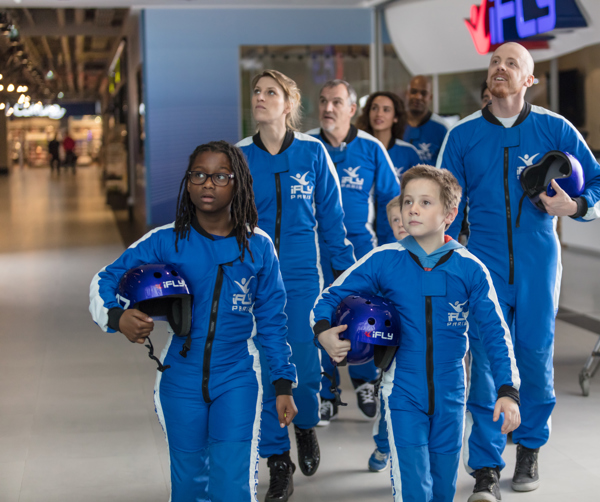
487	486
365	395
281	485
309	454
526	477
378	461
328	411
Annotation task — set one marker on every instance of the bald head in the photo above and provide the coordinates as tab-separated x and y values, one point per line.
419	95
519	52
510	72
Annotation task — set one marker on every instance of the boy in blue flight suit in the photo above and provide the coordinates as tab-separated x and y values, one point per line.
436	285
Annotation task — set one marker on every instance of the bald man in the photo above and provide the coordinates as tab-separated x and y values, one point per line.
424	130
487	151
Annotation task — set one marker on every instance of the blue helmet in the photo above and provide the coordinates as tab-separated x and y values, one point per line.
562	167
373	328
159	291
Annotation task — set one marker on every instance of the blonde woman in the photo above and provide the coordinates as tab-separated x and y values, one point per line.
296	190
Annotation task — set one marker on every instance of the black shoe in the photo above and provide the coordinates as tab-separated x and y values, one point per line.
309	454
526	477
365	396
487	487
328	411
281	485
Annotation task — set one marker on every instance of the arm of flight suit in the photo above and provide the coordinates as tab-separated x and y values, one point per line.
451	158
329	212
270	317
588	205
493	330
386	188
362	277
104	307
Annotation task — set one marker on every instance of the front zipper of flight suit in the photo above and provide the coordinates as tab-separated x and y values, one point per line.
429	354
511	258
212	328
278	216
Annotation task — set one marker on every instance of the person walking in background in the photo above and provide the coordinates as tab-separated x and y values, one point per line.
368	182
384	117
425	130
296	190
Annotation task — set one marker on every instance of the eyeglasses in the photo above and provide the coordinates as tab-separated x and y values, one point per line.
218	179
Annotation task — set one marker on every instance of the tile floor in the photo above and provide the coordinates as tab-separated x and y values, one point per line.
77	420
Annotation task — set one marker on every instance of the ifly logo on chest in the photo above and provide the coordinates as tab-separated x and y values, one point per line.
530	17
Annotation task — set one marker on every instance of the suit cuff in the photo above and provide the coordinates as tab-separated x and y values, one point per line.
318	328
337	273
509	391
582	207
283	387
114	316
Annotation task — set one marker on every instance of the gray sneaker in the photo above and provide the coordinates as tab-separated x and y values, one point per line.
526	477
487	485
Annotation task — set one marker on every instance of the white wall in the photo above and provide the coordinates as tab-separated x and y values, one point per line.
581	235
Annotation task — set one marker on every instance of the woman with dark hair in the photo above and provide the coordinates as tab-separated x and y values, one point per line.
384	116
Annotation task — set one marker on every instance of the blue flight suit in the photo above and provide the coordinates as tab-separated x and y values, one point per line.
297	191
209	401
427	137
437	296
403	156
368	183
487	160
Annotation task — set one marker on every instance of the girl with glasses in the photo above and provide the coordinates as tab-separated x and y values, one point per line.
209	398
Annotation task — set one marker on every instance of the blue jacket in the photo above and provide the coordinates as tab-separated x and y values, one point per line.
427	137
215	273
368	183
487	160
437	296
297	191
403	156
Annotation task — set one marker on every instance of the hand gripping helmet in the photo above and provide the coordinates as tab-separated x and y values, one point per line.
159	291
562	167
373	329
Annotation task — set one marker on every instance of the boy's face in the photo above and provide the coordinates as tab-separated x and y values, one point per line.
396	223
423	212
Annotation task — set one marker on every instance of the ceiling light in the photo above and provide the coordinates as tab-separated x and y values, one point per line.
49	75
10	88
0	76
2	106
61	95
1	87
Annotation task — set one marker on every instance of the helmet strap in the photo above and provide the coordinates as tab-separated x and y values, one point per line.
334	389
161	367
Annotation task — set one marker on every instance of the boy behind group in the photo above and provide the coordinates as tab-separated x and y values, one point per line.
435	284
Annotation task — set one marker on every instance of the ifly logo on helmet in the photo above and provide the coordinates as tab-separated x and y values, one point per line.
242	302
460	314
179	283
384	335
303	190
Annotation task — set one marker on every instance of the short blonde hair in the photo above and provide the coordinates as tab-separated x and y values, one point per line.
291	93
395	202
450	190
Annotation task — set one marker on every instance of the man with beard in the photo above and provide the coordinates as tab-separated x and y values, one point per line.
425	130
368	182
487	151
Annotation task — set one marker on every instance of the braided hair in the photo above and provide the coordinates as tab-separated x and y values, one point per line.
243	209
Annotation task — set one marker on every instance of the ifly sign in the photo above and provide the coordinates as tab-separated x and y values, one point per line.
494	22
